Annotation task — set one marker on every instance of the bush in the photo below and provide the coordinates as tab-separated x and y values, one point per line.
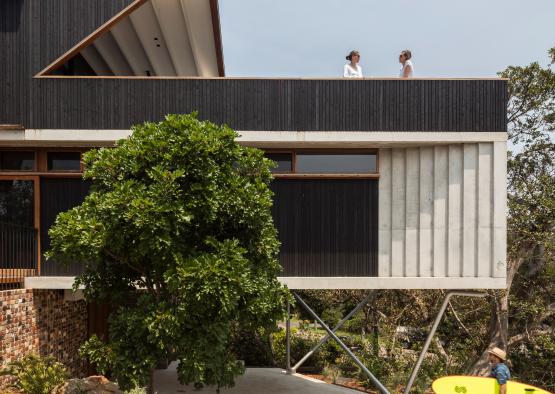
301	343
355	324
253	347
332	316
534	361
35	375
332	373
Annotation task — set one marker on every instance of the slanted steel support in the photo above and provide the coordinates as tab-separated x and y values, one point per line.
366	299
433	331
374	380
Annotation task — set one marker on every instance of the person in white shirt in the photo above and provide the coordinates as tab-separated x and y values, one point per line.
352	69
407	68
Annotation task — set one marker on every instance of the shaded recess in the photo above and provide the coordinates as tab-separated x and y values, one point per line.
158	38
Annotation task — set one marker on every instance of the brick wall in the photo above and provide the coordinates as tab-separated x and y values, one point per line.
41	322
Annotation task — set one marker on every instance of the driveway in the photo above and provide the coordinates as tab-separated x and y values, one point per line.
255	381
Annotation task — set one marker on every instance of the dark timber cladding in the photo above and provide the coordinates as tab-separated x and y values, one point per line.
33	33
58	195
327	227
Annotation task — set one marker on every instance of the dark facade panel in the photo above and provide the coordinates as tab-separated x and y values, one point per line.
327	227
280	105
33	33
58	195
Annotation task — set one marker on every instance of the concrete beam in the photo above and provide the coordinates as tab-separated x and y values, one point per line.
406	283
264	139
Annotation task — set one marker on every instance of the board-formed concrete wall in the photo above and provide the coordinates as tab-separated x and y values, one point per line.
442	211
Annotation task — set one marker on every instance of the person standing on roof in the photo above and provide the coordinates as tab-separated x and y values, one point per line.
407	68
352	69
499	369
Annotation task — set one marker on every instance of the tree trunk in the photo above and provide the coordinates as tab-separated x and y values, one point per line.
375	333
498	331
150	387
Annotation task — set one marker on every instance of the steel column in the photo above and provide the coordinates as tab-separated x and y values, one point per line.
374	380
433	331
288	339
337	327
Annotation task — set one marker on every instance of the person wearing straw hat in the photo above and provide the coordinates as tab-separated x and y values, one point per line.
499	369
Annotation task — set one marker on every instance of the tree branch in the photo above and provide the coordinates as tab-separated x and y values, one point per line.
524	336
458	319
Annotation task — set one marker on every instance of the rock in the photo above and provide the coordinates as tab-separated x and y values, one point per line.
90	385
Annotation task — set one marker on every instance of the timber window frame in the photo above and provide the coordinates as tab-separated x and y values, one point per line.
324	175
50	159
3	152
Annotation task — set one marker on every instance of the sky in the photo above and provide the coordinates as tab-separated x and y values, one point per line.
310	38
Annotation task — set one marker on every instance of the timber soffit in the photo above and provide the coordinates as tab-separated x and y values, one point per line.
126	12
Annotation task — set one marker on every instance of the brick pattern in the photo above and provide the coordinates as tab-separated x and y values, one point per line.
41	322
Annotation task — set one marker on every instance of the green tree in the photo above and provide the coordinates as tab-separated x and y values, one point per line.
531	212
178	234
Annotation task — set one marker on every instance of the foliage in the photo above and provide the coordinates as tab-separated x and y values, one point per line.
33	374
177	231
253	347
531	111
332	373
136	390
332	316
301	342
533	361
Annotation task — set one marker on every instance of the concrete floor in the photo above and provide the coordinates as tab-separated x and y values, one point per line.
255	381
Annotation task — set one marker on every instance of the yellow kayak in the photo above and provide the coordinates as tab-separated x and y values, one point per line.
479	385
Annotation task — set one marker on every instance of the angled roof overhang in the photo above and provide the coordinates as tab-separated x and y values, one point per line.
159	38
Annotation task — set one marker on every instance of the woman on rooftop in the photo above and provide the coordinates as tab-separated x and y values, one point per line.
406	65
352	69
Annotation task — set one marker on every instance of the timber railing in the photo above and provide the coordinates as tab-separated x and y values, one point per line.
18	254
265	104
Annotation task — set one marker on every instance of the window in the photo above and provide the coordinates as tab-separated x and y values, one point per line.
17	161
284	162
17	202
326	163
335	163
64	161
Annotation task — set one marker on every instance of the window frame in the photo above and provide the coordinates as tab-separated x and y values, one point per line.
18	149
36	201
79	171
294	175
41	162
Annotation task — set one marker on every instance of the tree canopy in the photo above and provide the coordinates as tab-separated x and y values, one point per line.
177	235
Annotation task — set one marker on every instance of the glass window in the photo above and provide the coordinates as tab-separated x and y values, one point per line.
332	163
17	161
283	161
17	202
64	161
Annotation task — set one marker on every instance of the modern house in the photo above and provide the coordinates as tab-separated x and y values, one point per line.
381	183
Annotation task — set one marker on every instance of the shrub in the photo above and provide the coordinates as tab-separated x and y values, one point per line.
137	390
301	343
332	316
332	373
355	324
253	347
534	361
35	375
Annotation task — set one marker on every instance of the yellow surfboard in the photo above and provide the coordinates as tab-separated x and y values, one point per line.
479	385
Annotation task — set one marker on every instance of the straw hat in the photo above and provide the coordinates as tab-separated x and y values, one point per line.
498	353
